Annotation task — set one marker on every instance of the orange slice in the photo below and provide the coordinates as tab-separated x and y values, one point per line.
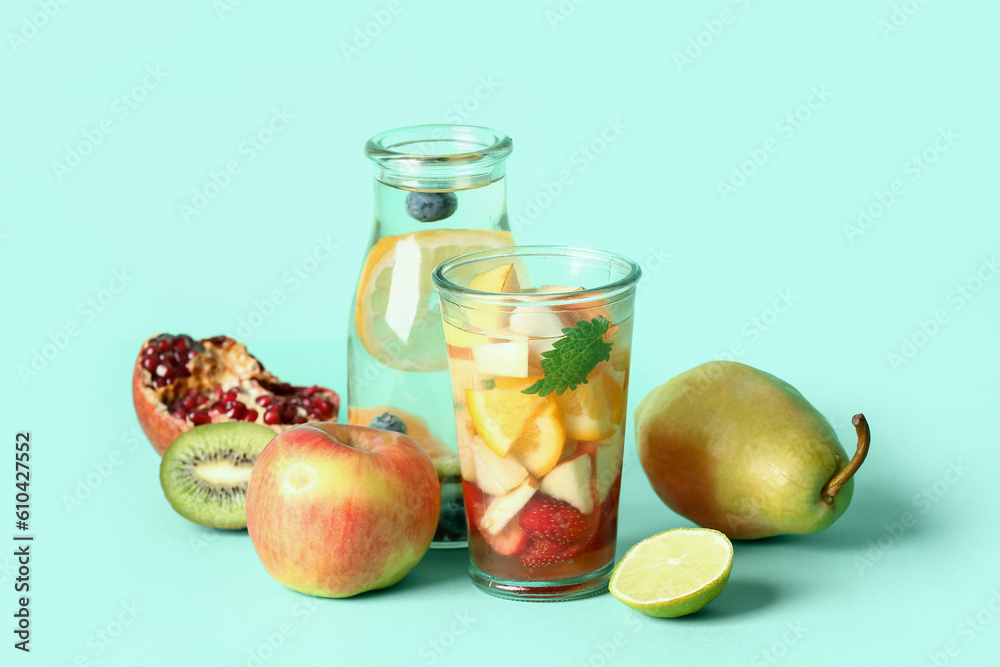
416	427
500	414
594	410
396	313
540	444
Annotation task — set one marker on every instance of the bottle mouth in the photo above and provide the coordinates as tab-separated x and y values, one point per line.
435	157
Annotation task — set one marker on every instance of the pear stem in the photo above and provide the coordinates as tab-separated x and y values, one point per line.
832	487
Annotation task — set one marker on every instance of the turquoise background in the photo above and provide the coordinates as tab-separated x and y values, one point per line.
877	320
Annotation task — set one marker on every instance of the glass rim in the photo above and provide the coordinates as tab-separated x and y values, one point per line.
620	288
386	147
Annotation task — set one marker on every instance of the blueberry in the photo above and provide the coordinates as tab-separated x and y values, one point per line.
431	206
451	525
387	422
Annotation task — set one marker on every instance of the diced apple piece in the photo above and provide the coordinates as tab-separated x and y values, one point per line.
501	279
459	338
463	376
535	349
505	359
494	474
571	481
555	289
608	457
465	432
502	509
535	322
570	314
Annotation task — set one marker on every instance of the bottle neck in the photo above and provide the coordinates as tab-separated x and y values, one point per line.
482	206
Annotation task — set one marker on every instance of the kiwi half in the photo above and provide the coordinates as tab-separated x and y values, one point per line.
205	472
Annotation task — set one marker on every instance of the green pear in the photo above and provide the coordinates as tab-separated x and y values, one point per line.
736	449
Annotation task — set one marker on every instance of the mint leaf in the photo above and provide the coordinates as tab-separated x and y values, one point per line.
572	358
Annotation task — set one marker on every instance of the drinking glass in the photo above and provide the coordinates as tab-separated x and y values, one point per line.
539	342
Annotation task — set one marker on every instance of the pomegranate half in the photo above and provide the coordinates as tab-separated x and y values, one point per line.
179	383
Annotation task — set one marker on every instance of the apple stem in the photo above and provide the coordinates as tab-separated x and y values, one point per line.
864	440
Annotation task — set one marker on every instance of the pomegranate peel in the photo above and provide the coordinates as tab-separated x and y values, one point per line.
179	382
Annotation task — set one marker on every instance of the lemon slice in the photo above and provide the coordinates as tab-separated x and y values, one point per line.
673	573
592	411
396	314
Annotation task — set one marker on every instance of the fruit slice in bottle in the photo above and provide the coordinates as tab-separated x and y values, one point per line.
393	314
593	410
416	427
673	573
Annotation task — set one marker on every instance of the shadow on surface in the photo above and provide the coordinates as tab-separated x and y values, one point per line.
437	567
741	596
873	512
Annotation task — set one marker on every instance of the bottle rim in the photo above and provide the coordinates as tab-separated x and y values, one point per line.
437	144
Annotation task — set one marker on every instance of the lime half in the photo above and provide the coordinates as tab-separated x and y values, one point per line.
673	573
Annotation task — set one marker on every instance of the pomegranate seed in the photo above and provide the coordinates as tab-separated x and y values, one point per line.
250	416
237	410
232	395
217	392
299	420
264	401
191	354
322	407
159	382
163	345
312	414
180	344
201	400
180	414
164	371
199	417
149	351
272	416
215	409
149	363
188	402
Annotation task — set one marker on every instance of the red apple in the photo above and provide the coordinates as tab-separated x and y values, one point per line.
335	510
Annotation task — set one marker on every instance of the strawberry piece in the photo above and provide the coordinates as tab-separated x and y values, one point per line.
510	541
475	503
547	552
546	519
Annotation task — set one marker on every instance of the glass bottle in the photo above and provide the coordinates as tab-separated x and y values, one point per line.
440	191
